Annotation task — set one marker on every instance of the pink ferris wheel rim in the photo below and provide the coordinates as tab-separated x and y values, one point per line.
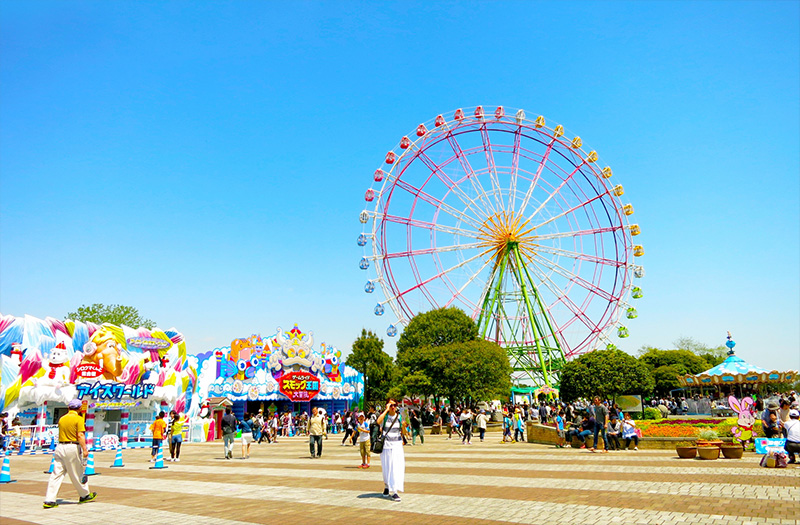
593	195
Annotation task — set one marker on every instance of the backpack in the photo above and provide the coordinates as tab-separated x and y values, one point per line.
774	460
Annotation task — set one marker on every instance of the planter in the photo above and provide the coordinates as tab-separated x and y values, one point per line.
732	451
708	452
686	452
705	443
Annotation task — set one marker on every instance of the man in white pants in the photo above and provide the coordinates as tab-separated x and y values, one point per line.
70	457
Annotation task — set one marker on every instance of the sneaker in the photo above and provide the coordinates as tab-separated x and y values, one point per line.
635	448
177	459
395	497
583	446
366	466
87	498
152	460
49	504
386	492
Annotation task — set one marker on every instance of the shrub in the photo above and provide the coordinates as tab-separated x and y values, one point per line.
652	413
708	435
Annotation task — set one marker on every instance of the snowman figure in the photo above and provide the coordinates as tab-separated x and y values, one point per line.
57	368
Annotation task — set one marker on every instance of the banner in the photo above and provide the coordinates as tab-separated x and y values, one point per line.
765	445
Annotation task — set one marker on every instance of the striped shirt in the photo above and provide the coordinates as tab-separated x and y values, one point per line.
394	433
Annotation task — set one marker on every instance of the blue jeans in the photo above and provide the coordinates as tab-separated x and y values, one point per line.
600	429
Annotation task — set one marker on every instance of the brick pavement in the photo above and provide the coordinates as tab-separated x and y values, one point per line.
486	483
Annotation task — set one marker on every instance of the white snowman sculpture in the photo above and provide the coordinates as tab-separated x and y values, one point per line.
57	368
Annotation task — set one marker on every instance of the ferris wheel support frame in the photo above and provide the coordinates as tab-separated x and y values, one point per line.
546	367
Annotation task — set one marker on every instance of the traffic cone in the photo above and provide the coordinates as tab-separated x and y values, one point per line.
159	458
21	448
52	465
90	465
5	472
52	444
118	459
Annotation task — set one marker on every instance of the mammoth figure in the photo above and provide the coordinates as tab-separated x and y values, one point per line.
104	351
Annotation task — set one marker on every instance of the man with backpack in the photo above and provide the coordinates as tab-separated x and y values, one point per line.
229	425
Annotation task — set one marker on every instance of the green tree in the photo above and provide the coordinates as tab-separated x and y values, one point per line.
666	379
683	361
605	373
713	356
367	356
440	353
116	314
437	328
475	371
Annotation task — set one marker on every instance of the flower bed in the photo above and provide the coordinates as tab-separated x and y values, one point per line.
689	428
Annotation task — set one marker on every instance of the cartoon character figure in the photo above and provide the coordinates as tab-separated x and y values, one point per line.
57	367
332	357
16	351
151	369
747	418
244	358
104	351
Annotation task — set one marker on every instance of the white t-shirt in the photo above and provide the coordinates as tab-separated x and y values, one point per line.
363	432
792	430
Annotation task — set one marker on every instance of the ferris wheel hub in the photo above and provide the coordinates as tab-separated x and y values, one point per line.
503	230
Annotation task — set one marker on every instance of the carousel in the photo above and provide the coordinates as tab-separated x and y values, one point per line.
735	376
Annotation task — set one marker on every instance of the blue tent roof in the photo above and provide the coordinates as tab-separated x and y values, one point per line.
734	365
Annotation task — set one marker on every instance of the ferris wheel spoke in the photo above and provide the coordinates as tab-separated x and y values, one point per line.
574	278
535	180
437	276
571	210
416	223
437	203
557	190
564	298
512	192
438	249
577	233
487	148
469	172
469	281
579	256
480	214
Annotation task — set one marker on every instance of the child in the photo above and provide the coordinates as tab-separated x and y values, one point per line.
159	428
506	428
363	440
560	427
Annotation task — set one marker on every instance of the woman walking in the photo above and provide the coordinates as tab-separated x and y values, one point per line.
176	436
246	426
393	461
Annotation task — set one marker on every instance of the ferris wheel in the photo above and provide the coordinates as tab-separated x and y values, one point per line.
513	222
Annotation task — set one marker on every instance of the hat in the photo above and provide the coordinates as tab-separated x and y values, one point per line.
74	404
772	406
794	413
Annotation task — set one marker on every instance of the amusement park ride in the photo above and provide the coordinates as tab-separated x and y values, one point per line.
513	222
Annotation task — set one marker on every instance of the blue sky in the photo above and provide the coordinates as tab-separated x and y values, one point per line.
206	162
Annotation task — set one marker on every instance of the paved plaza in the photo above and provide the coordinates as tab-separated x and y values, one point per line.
487	482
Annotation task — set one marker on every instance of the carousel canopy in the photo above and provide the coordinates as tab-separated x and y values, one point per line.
735	370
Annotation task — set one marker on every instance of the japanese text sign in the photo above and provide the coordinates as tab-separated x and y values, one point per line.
299	386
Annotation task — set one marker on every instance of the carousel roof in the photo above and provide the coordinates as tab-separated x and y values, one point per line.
734	365
735	370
